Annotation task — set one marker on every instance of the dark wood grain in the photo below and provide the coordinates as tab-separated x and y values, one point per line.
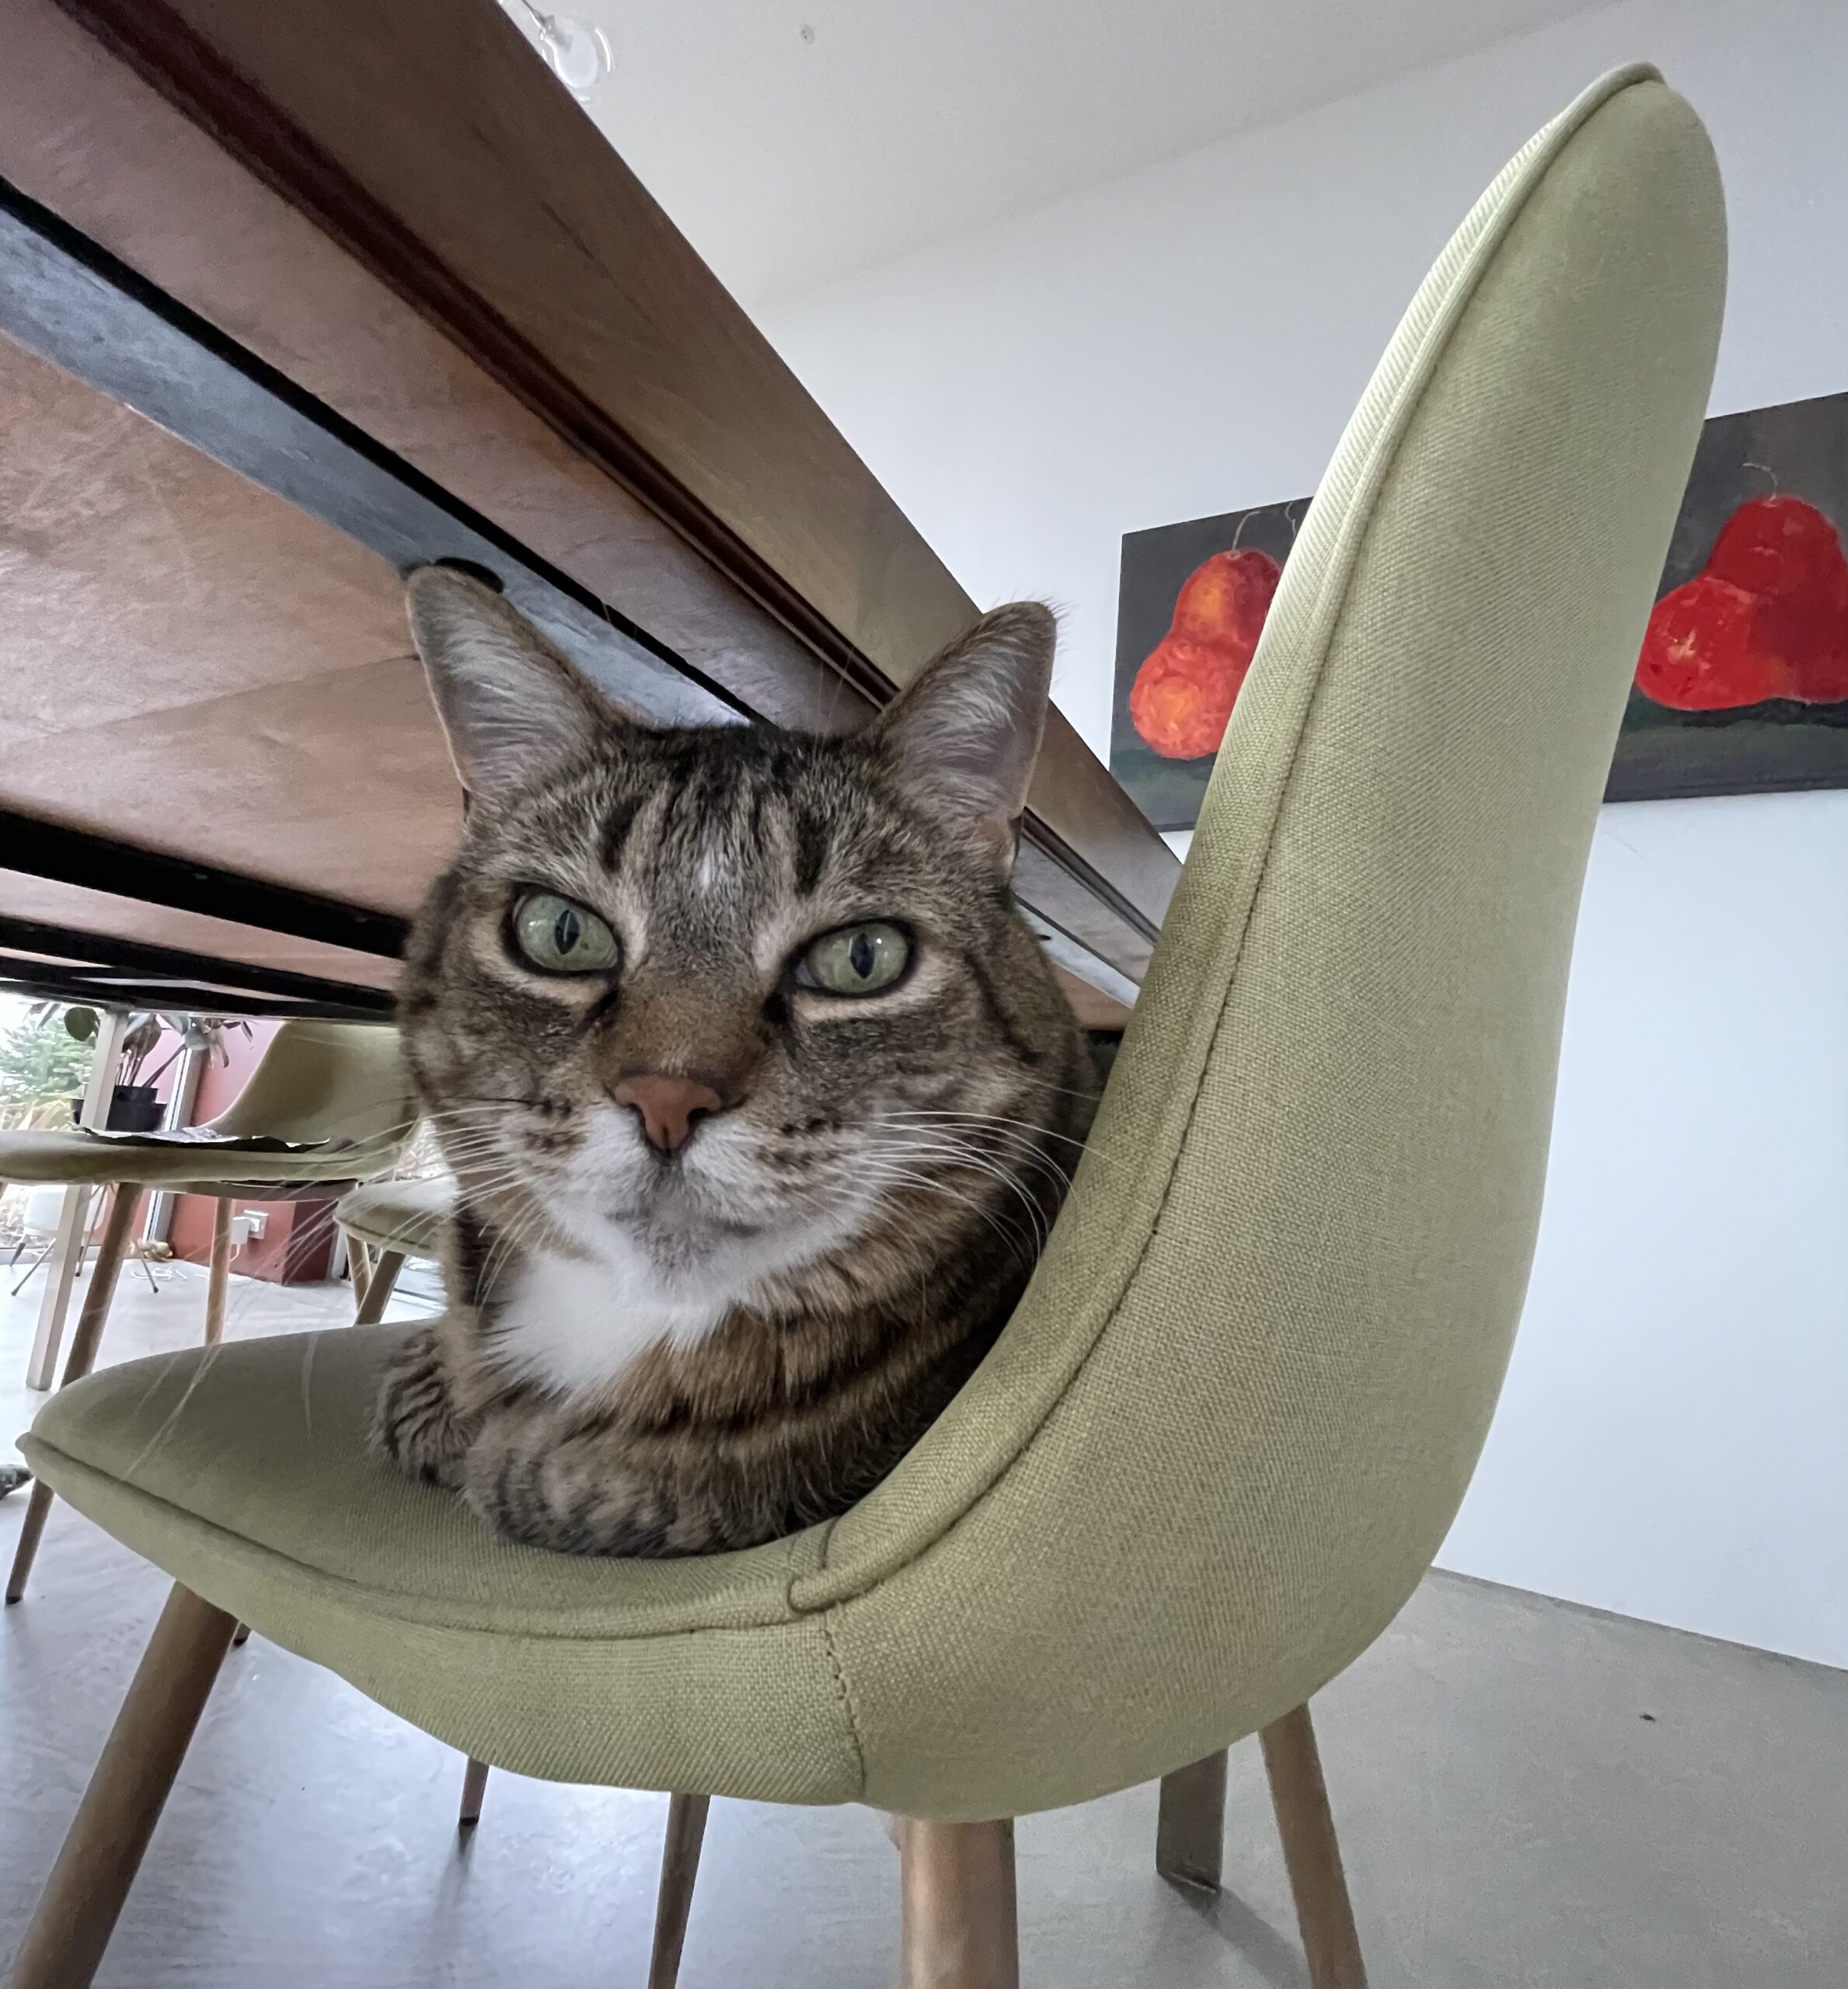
499	211
483	289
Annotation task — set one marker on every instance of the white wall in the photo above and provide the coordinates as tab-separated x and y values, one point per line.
1673	1442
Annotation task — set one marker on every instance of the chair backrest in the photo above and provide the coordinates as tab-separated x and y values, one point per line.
1235	1414
343	1082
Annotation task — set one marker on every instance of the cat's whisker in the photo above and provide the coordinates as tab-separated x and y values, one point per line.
930	1185
960	1156
997	1164
1028	1126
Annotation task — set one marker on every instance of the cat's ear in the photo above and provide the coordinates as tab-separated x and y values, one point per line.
964	733
513	709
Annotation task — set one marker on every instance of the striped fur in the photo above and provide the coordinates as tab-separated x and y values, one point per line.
643	1356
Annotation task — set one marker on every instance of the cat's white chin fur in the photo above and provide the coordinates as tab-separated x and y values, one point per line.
571	1324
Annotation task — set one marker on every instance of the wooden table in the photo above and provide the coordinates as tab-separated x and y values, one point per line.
292	297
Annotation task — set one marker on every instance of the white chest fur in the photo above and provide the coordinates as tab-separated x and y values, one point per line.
573	1324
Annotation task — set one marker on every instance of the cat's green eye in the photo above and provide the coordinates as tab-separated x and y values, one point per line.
559	936
858	960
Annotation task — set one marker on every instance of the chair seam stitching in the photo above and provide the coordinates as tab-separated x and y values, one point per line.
846	1693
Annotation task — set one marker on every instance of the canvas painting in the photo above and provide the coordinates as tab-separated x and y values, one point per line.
1190	608
1741	685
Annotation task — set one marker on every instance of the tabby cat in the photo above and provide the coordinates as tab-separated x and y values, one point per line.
760	1094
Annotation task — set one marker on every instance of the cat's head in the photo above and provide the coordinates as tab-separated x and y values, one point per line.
712	1004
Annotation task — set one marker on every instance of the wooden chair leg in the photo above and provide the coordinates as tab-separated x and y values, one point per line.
31	1531
957	1892
379	1287
1190	1833
679	1867
218	1280
77	1911
1311	1854
359	1269
77	1363
474	1788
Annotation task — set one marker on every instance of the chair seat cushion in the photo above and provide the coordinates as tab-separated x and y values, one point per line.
244	1471
405	1216
69	1154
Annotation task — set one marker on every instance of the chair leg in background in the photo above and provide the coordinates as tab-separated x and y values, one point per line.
474	1788
82	1358
957	1887
679	1867
32	1530
31	1268
1311	1854
1190	1834
359	1269
77	1910
218	1279
379	1287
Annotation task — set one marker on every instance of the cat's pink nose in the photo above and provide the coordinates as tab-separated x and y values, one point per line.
669	1108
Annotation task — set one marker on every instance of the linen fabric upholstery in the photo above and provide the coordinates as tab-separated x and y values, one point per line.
405	1216
1233	1416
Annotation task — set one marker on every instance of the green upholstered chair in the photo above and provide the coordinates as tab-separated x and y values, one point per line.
386	1223
1225	1431
336	1092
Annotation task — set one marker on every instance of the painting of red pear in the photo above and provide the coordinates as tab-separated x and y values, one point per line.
1191	606
1184	694
1741	686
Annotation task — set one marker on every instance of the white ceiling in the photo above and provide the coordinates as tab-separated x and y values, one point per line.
790	158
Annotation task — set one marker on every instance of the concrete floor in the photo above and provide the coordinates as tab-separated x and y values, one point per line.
1528	1794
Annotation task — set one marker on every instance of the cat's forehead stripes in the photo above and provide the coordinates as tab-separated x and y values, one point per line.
617	822
729	835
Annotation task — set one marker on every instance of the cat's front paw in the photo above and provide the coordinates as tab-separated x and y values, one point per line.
415	1423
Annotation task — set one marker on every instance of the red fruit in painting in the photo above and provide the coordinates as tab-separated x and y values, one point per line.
1225	599
1766	618
1807	628
1183	695
1698	652
1776	546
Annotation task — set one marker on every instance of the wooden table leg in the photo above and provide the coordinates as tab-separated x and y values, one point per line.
82	1899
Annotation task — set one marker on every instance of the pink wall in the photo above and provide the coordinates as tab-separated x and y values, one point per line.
297	1243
